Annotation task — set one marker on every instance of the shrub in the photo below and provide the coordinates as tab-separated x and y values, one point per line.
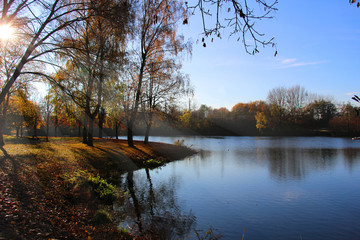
153	163
104	190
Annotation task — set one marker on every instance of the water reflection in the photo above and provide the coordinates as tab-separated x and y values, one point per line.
287	159
351	157
277	188
295	164
199	161
153	209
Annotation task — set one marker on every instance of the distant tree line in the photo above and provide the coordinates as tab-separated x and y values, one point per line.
286	112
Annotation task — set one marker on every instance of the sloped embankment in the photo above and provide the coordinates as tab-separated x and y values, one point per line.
55	189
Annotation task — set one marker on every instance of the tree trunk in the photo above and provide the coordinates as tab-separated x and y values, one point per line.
85	134
137	102
47	125
100	129
56	124
47	132
101	113
90	140
101	121
130	134
3	118
116	130
147	133
150	113
2	125
2	143
35	129
148	126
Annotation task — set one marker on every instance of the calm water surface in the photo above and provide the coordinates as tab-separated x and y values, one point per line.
274	188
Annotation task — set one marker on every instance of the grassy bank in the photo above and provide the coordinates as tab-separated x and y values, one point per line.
61	189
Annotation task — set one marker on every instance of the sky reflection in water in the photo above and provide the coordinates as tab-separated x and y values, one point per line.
275	188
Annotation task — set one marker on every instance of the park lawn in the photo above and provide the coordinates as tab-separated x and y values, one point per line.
45	191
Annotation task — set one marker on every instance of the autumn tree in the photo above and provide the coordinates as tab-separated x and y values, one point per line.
64	115
261	121
31	112
185	118
8	57
37	27
243	116
58	102
39	30
3	112
10	54
112	23
93	50
155	31
202	117
15	118
47	110
240	111
347	120
260	112
114	106
165	83
320	113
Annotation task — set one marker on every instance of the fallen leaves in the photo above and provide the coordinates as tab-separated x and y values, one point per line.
34	200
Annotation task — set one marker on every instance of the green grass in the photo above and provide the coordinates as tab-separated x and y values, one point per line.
153	163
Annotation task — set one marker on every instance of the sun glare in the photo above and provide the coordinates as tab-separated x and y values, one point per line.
6	32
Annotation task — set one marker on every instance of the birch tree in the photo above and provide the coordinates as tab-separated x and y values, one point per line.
165	83
156	31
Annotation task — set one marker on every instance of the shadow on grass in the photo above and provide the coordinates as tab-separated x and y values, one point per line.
16	140
111	165
16	199
5	152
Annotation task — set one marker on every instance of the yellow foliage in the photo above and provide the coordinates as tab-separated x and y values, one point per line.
261	121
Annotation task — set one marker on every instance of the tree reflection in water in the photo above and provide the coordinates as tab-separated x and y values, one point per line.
153	209
287	164
351	157
292	163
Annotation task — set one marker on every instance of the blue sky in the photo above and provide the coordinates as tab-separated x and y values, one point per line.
318	46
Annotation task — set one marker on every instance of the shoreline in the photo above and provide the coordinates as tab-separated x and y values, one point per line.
56	189
141	153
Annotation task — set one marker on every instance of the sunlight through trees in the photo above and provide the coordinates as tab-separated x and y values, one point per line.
116	67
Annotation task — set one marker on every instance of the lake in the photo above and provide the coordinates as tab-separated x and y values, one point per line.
264	187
